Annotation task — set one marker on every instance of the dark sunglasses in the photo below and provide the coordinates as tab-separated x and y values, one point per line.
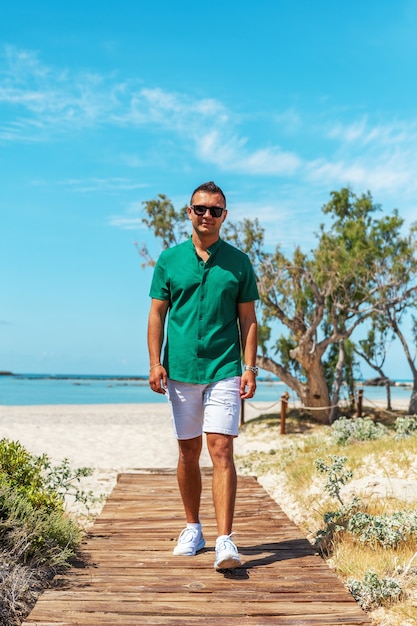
200	210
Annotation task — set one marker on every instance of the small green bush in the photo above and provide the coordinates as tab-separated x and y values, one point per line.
33	523
374	591
22	471
39	534
387	531
37	480
37	537
345	430
337	475
405	426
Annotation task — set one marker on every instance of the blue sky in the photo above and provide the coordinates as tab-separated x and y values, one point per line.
103	105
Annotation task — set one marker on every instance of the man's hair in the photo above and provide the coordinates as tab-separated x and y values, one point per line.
210	187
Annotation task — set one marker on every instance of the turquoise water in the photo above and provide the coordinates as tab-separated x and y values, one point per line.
27	389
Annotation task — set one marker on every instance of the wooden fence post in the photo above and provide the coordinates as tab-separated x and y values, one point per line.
284	404
360	400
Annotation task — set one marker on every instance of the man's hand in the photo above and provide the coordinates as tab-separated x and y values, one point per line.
158	379
247	385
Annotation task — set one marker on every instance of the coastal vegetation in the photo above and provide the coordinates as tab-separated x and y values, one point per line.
362	274
37	537
352	489
328	479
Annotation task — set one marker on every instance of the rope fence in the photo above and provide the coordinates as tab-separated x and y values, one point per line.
285	399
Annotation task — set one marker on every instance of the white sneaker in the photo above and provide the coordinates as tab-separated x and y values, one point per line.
227	556
190	541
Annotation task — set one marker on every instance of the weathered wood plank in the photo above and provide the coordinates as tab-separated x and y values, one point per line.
126	573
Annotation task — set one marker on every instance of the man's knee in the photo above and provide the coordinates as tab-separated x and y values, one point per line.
190	450
220	447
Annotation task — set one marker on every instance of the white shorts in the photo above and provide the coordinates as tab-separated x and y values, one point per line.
212	408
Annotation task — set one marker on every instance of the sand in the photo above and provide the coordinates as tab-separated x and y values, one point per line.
108	438
114	438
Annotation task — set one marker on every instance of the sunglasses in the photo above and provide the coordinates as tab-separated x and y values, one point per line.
200	210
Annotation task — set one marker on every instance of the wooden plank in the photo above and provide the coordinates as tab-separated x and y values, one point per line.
126	573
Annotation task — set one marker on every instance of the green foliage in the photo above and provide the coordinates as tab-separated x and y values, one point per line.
387	531
41	534
37	537
33	524
374	591
165	222
349	430
405	426
337	475
284	347
23	472
37	480
335	522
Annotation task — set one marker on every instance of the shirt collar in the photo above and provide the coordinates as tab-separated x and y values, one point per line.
212	249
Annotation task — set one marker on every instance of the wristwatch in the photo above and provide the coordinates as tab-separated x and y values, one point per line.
251	368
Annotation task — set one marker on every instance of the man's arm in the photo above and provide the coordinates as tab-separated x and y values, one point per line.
156	323
249	337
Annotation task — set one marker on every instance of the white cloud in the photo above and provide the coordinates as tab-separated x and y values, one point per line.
126	223
41	103
102	184
48	100
229	152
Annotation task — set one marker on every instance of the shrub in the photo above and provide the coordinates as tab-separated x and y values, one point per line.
374	591
405	426
37	480
37	537
33	524
387	531
345	430
335	521
337	476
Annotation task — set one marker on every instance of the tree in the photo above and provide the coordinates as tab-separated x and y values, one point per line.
315	300
399	289
373	350
167	224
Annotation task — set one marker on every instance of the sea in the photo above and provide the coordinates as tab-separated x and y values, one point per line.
40	389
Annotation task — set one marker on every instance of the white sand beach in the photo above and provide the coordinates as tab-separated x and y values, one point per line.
107	436
110	439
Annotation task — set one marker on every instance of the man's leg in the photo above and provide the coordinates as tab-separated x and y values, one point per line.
189	477
224	497
220	448
191	539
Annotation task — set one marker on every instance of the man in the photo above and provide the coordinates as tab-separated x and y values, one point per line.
209	289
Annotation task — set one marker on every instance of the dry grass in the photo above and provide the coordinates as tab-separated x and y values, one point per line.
20	586
285	464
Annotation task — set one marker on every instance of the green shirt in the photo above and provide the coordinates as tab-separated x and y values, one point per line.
203	341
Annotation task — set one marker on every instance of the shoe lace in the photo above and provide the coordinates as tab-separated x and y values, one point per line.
227	544
187	535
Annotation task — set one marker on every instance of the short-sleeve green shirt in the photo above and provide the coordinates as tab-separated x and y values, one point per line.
203	341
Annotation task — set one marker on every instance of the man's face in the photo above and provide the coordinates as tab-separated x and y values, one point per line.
207	225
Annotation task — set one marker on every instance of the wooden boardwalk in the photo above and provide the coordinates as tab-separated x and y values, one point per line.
130	576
